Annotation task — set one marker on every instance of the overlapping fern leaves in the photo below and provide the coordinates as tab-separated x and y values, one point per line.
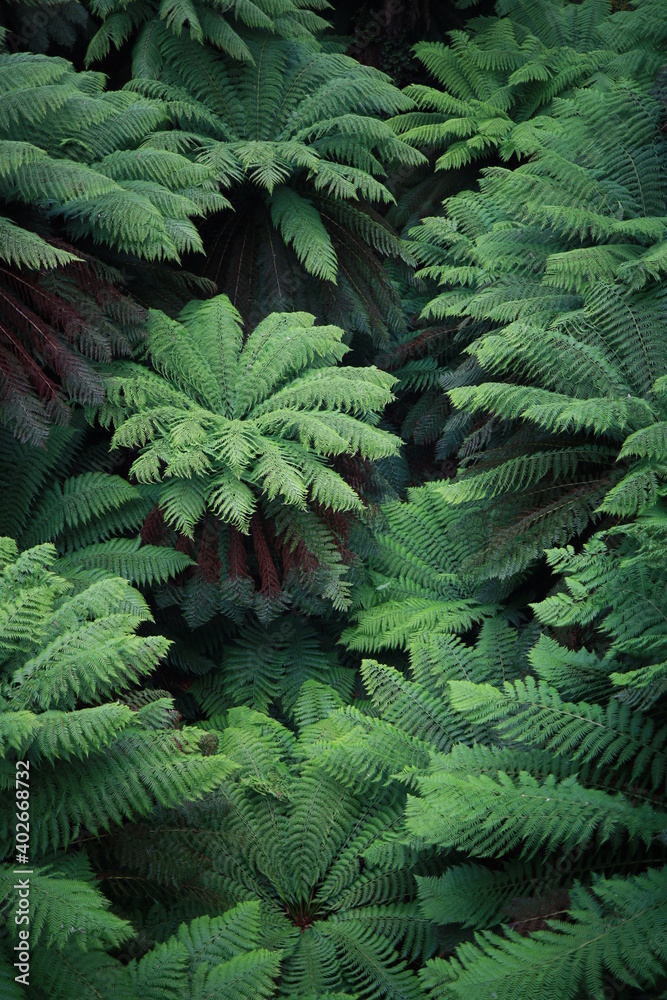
79	178
548	772
246	431
600	809
315	849
97	756
548	766
557	264
225	27
483	815
496	77
265	667
510	67
296	139
67	495
82	165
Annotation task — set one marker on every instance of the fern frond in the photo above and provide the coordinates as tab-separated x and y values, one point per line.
614	929
534	713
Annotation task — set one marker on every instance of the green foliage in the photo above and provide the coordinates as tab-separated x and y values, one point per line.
614	934
501	82
80	181
416	586
233	428
557	803
511	67
295	136
94	179
336	890
87	763
225	28
268	665
219	956
62	649
81	512
239	806
539	264
551	791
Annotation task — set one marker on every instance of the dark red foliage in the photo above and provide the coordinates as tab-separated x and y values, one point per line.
422	343
268	573
237	558
338	522
208	557
298	558
185	544
154	530
53	325
356	471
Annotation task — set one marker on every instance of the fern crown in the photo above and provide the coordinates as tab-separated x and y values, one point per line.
222	424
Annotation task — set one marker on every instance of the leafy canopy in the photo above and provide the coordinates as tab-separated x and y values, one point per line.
225	27
561	257
100	752
232	427
72	177
296	138
315	849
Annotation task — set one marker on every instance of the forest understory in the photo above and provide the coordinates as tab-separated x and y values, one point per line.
333	500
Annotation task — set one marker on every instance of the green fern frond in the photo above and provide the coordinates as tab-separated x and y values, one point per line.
535	713
614	929
233	427
490	815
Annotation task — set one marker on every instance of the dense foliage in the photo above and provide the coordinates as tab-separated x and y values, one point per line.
325	680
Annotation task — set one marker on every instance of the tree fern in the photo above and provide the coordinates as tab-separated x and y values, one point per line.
416	586
614	932
265	666
313	853
585	732
239	805
227	30
86	514
79	179
240	429
546	797
295	135
529	431
498	80
505	68
92	762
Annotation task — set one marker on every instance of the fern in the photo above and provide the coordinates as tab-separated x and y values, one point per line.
317	858
269	665
81	514
83	180
582	731
295	135
236	429
500	82
510	66
233	805
615	931
91	762
199	22
550	798
517	269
